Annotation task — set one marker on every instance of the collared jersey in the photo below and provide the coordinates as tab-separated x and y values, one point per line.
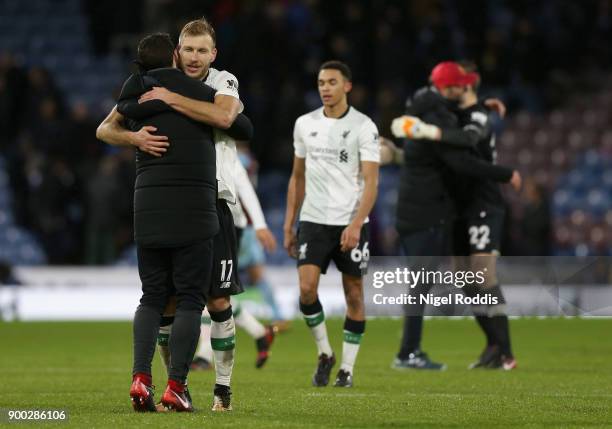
333	149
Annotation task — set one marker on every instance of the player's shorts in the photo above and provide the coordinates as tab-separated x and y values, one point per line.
225	281
251	253
319	244
478	231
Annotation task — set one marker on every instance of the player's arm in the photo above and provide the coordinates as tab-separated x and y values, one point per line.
463	162
220	114
496	105
351	234
296	192
113	132
414	128
389	153
241	129
251	205
132	109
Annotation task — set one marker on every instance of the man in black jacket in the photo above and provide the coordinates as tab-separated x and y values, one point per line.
429	182
478	229
175	219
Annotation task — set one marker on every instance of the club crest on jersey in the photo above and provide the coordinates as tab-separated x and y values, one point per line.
343	156
232	84
303	249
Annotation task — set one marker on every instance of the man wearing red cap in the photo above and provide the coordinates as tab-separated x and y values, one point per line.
426	209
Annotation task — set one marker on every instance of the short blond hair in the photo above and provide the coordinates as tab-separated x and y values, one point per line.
198	27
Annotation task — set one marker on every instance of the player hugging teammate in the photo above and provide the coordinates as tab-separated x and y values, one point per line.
450	201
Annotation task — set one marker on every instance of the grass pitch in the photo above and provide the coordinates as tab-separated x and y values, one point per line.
564	379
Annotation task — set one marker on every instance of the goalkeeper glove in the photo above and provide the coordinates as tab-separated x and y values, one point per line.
413	128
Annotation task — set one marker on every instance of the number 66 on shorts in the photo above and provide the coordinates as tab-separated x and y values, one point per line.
319	244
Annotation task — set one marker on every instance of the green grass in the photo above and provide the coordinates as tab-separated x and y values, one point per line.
564	379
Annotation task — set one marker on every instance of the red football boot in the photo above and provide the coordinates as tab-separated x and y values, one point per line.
176	397
141	393
263	346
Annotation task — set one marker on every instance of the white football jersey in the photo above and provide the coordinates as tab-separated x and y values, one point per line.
225	147
334	149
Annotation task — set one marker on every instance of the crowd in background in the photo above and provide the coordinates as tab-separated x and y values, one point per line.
74	192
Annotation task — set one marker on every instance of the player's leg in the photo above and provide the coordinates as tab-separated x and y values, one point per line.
311	307
354	328
314	316
165	329
154	267
316	244
192	266
223	343
252	258
249	256
225	282
353	265
263	335
492	318
485	229
423	250
204	358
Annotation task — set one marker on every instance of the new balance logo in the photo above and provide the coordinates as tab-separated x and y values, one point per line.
346	133
225	285
343	156
313	134
303	249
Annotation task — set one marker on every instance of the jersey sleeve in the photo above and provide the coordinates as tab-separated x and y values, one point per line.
248	197
369	144
298	141
478	122
226	84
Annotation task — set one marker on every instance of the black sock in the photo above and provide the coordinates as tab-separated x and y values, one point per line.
502	333
221	316
411	338
314	308
486	326
183	343
145	329
166	320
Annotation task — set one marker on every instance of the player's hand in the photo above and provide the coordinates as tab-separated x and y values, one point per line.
389	153
150	143
516	181
266	238
350	237
290	243
496	105
157	93
413	128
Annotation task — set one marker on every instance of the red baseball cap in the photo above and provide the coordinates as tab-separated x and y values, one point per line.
449	73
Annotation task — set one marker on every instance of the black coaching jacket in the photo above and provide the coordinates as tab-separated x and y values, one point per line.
175	194
431	169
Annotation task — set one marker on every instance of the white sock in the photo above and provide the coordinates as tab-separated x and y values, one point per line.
247	321
205	350
223	341
316	323
162	345
350	348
